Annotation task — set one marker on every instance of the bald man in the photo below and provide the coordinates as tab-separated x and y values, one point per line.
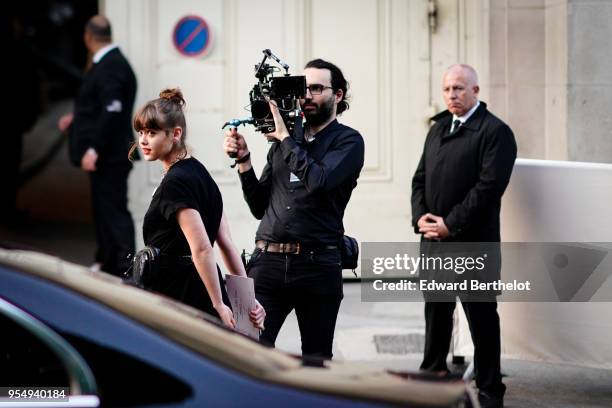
466	165
100	137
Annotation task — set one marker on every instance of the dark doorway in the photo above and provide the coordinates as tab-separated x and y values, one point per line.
45	201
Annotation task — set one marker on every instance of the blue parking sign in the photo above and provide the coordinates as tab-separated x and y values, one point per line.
192	36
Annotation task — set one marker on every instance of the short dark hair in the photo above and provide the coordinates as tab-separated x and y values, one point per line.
337	81
100	28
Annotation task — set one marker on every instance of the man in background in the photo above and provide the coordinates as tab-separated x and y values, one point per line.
100	135
456	197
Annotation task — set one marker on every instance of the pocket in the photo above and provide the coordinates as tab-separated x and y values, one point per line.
329	258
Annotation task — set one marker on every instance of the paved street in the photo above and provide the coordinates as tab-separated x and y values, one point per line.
398	328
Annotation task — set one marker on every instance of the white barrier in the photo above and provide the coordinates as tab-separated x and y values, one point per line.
555	201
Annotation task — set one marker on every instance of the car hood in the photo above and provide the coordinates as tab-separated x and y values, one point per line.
199	332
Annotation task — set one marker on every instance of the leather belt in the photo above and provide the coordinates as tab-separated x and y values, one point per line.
290	247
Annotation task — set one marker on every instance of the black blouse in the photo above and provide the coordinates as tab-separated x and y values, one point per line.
186	185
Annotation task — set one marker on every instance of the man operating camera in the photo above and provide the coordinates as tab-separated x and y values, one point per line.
300	199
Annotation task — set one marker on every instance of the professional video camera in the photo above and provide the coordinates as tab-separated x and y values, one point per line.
286	91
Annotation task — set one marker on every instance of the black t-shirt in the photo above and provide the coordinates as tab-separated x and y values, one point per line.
186	185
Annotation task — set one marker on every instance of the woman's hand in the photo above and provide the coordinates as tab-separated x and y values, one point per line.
226	315
258	315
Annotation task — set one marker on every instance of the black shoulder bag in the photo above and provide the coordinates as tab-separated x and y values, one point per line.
144	268
349	251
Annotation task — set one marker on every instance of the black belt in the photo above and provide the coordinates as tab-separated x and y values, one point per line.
175	260
290	247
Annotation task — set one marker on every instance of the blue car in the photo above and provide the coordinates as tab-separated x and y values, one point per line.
102	342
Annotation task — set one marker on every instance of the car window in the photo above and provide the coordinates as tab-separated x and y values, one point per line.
125	381
29	357
26	361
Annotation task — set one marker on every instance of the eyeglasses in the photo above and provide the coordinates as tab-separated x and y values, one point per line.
317	89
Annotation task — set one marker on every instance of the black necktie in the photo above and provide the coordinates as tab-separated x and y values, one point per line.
455	126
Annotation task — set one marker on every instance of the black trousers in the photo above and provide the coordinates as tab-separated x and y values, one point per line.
113	221
310	283
484	327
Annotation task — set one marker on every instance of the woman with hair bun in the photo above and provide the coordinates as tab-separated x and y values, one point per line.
185	218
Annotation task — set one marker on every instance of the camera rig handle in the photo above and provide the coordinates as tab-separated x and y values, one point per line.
262	70
234	123
269	54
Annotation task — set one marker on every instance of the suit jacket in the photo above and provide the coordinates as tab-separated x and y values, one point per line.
103	112
462	176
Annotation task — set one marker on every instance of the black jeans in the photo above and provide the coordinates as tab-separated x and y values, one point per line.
484	327
310	283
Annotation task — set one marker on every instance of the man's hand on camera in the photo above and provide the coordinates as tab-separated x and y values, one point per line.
281	130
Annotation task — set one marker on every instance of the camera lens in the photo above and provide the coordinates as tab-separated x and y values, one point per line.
260	109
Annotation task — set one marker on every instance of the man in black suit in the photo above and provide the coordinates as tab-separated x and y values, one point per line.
100	137
456	197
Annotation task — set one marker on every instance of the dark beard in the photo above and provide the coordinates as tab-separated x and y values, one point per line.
321	114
